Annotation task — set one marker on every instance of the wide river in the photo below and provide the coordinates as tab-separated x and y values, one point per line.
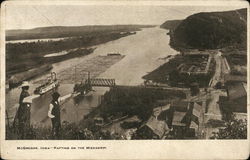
143	52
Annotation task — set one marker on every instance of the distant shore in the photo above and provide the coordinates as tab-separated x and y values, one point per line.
35	54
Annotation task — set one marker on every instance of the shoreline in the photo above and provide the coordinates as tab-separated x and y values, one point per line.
34	57
15	79
40	60
174	62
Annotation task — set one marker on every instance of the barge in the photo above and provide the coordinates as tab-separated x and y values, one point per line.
114	54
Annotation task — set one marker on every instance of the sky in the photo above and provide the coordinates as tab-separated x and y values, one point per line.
32	16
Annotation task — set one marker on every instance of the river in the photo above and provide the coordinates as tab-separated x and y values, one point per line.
142	51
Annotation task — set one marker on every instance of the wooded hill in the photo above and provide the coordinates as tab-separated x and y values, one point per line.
210	30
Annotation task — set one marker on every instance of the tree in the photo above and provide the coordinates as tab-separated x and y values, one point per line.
234	129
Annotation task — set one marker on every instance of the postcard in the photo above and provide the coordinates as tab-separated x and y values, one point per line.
124	80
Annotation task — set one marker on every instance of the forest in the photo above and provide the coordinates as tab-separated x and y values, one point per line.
209	30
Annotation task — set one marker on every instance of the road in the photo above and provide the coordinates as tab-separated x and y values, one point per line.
217	75
225	69
212	94
222	68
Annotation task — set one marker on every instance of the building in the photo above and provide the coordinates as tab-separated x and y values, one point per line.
159	110
194	88
152	129
182	118
232	79
236	91
186	118
181	106
235	101
194	68
156	126
198	64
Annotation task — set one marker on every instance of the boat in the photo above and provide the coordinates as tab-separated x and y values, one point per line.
51	83
84	88
114	54
18	78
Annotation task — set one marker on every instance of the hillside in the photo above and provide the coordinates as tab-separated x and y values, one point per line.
211	30
171	24
67	31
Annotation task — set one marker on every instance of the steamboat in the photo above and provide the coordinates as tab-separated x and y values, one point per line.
52	83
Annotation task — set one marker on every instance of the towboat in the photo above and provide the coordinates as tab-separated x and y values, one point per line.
51	83
84	88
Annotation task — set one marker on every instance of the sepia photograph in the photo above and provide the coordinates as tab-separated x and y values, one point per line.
124	80
128	72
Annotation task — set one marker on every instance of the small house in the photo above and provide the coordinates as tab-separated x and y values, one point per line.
186	122
153	129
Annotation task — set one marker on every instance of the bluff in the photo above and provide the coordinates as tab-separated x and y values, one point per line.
210	30
170	24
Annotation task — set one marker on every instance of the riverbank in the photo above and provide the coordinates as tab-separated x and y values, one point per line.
40	66
55	32
183	70
196	35
33	53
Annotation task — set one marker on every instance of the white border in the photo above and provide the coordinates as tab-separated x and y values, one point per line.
118	149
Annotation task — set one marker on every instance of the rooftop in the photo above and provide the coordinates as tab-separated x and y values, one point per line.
235	78
181	106
236	91
183	118
177	119
157	111
158	127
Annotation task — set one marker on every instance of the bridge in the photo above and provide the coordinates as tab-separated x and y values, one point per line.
100	82
86	86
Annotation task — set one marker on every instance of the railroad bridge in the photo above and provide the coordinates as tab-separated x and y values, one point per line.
100	82
86	86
